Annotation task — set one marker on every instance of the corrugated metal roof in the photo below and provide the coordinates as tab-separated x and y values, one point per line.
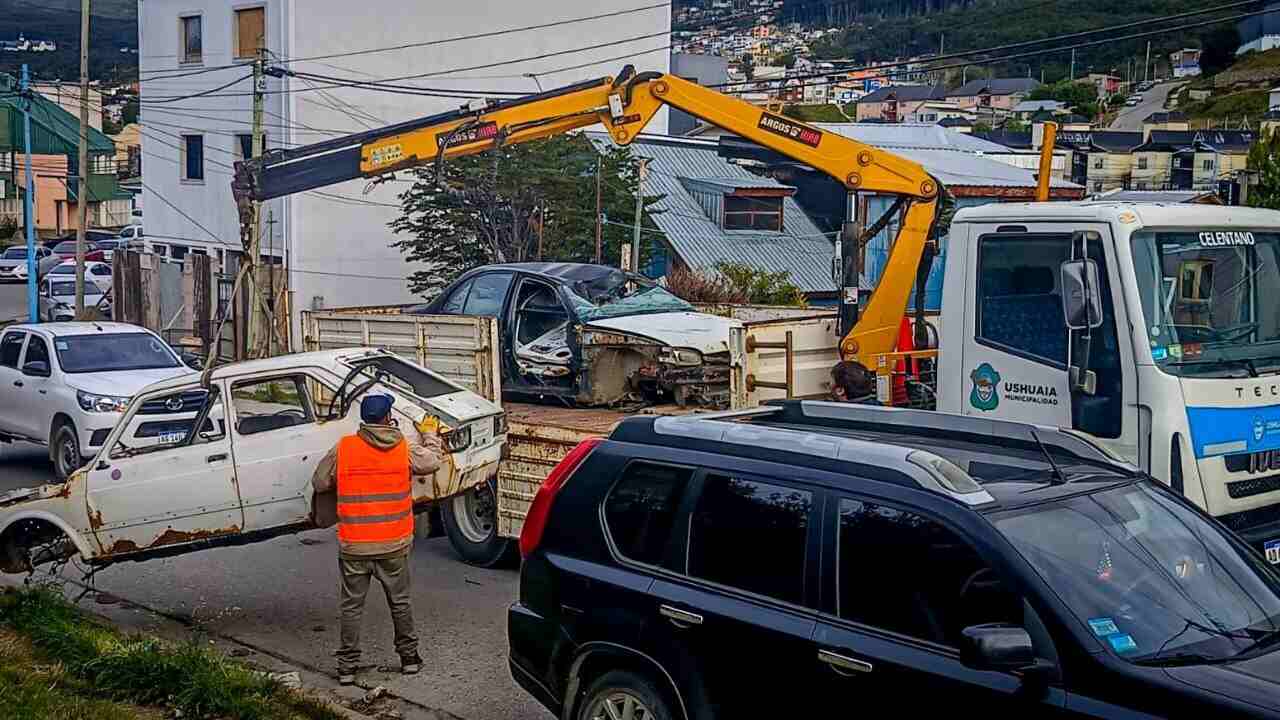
905	93
54	131
737	183
1038	105
995	86
800	249
953	158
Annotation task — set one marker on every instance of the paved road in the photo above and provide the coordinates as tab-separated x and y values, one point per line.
13	301
23	465
280	597
1130	118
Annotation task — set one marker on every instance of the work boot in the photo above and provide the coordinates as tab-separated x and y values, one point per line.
346	678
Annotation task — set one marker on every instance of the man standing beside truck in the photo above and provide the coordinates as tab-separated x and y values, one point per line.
371	472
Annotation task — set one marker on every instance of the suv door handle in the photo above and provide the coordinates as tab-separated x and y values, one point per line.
17	383
680	618
216	458
841	663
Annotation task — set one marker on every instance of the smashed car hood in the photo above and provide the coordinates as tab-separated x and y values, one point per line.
698	331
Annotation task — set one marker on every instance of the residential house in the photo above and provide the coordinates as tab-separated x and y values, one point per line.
1028	108
713	211
1191	159
966	166
128	150
896	102
1000	94
336	240
1193	197
1185	62
66	95
1110	160
934	112
1164	120
701	69
1270	121
1107	85
55	137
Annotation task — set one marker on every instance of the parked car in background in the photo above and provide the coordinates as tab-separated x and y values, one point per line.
227	457
130	233
594	335
65	385
57	299
783	561
97	271
67	250
14	257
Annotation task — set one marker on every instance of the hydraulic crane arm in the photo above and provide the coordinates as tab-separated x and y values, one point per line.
624	106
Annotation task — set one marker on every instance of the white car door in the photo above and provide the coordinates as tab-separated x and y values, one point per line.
36	401
12	386
157	482
277	444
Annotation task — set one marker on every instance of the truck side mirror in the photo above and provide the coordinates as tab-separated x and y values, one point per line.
1081	298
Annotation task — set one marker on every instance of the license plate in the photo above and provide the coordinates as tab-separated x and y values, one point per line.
172	437
1272	550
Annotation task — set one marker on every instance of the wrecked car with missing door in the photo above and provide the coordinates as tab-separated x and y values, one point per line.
226	457
594	335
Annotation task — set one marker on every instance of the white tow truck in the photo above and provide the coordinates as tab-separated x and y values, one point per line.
226	457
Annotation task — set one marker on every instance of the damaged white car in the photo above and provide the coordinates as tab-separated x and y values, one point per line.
594	336
226	457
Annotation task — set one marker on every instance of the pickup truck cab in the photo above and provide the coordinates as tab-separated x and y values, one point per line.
226	457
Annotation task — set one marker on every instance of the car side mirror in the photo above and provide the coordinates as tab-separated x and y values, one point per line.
1081	298
998	647
36	368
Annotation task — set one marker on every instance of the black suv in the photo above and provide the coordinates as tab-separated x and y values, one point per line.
812	559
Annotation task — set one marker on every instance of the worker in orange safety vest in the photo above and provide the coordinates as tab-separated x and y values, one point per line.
371	472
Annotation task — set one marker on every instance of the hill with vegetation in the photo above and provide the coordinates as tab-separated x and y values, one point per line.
113	25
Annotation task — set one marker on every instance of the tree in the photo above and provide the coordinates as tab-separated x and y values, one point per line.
1218	48
130	114
1016	126
1264	161
1080	97
487	208
748	65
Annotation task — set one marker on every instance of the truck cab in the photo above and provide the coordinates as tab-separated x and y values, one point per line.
1152	328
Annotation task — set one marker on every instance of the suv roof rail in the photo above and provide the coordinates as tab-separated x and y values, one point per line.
936	424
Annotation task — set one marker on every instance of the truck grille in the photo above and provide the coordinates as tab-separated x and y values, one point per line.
1243	521
192	401
1255	486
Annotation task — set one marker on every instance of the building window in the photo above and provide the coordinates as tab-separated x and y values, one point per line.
752	213
191	40
251	26
1142	163
193	158
1207	164
102	165
1097	187
1097	163
244	145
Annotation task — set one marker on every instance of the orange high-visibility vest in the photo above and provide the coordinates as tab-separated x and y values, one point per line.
375	498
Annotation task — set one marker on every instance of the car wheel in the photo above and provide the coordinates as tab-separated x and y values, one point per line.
623	694
65	449
471	522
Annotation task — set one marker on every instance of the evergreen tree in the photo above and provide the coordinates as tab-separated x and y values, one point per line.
1264	160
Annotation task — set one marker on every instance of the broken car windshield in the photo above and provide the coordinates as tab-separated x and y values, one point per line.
617	295
406	377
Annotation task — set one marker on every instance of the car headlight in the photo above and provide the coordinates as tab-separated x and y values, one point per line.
499	424
90	402
680	356
457	439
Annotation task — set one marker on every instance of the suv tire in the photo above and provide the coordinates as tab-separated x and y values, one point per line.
64	450
471	522
630	695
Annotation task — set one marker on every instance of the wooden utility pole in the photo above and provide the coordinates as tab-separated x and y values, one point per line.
254	251
1146	66
82	170
642	173
599	210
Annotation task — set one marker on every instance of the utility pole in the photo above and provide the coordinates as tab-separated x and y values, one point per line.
1146	67
642	173
82	193
253	252
599	209
271	282
1073	65
28	204
942	44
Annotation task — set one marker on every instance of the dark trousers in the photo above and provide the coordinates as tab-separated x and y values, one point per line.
393	575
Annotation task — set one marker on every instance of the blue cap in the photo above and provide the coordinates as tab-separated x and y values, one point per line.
374	408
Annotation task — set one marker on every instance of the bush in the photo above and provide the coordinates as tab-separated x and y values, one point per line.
761	286
8	229
696	287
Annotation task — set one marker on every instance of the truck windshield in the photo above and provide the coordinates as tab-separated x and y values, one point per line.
1155	581
114	352
1209	300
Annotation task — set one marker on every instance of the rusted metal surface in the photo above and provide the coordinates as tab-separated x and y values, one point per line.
120	547
173	537
95	519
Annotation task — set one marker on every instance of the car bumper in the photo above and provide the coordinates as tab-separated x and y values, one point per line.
92	430
529	631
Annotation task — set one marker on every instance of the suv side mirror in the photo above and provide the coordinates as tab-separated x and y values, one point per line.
1081	298
36	368
996	646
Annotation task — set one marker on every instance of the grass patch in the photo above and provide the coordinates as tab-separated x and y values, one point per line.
34	689
1252	103
144	671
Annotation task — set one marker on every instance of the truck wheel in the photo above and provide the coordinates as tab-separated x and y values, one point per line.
471	522
65	450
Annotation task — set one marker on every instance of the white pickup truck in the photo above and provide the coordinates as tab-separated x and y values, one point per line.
226	457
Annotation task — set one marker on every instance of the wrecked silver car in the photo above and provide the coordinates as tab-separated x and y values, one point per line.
594	335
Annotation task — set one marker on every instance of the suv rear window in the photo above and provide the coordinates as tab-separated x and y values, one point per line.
751	535
641	509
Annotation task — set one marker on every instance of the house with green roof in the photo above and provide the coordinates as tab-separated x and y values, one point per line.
55	161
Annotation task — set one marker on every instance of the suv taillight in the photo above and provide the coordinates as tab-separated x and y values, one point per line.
536	521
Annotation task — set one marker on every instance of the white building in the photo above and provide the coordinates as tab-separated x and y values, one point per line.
336	241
